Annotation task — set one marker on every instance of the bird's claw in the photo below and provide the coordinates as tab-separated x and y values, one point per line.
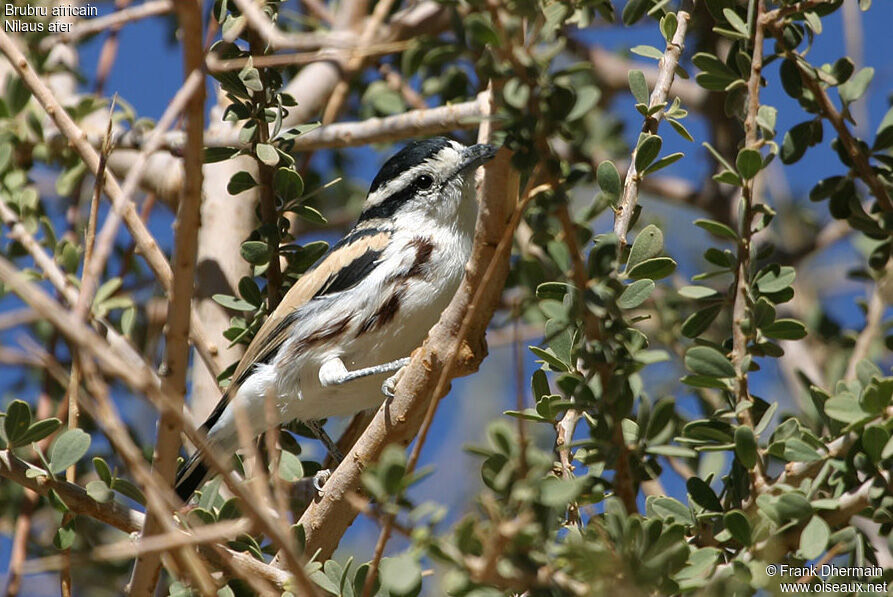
390	384
320	478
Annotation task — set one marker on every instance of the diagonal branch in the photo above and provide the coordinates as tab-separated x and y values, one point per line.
167	445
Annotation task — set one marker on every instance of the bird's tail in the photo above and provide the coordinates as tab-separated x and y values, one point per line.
190	476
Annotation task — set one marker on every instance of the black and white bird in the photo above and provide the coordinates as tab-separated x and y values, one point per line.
357	315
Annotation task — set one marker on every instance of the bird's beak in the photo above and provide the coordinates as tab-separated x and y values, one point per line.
474	156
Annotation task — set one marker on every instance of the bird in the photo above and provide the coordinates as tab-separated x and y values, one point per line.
363	308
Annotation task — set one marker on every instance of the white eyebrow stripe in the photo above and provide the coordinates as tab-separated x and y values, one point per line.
445	160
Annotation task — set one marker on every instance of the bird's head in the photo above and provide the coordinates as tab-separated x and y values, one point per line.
427	179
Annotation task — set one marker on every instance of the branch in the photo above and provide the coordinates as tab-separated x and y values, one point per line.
148	248
414	123
74	496
167	446
86	27
666	73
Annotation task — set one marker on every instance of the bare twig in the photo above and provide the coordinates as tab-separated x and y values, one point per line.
414	123
873	320
74	496
86	27
167	445
124	550
565	434
279	40
667	71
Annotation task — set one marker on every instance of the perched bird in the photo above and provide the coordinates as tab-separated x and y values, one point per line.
364	307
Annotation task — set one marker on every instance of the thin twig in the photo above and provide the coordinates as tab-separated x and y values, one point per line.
85	27
873	319
167	445
667	71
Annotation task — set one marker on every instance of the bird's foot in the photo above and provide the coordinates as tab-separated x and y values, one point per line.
390	384
320	478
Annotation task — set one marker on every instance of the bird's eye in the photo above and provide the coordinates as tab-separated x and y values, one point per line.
424	181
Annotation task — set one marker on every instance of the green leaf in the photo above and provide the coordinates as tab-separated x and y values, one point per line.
240	182
874	438
746	446
647	151
102	470
856	86
267	154
785	329
635	294
17	421
717	228
680	128
608	178
219	154
557	493
635	10
129	490
736	22
749	163
738	526
664	162
39	430
290	467
793	506
99	491
250	77
668	25
667	507
698	322
648	243
668	450
775	279
231	302
797	450
798	139
587	98
65	536
638	86
654	269
702	495
69	447
549	358
706	360
401	575
814	538
845	408
697	292
647	52
255	252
